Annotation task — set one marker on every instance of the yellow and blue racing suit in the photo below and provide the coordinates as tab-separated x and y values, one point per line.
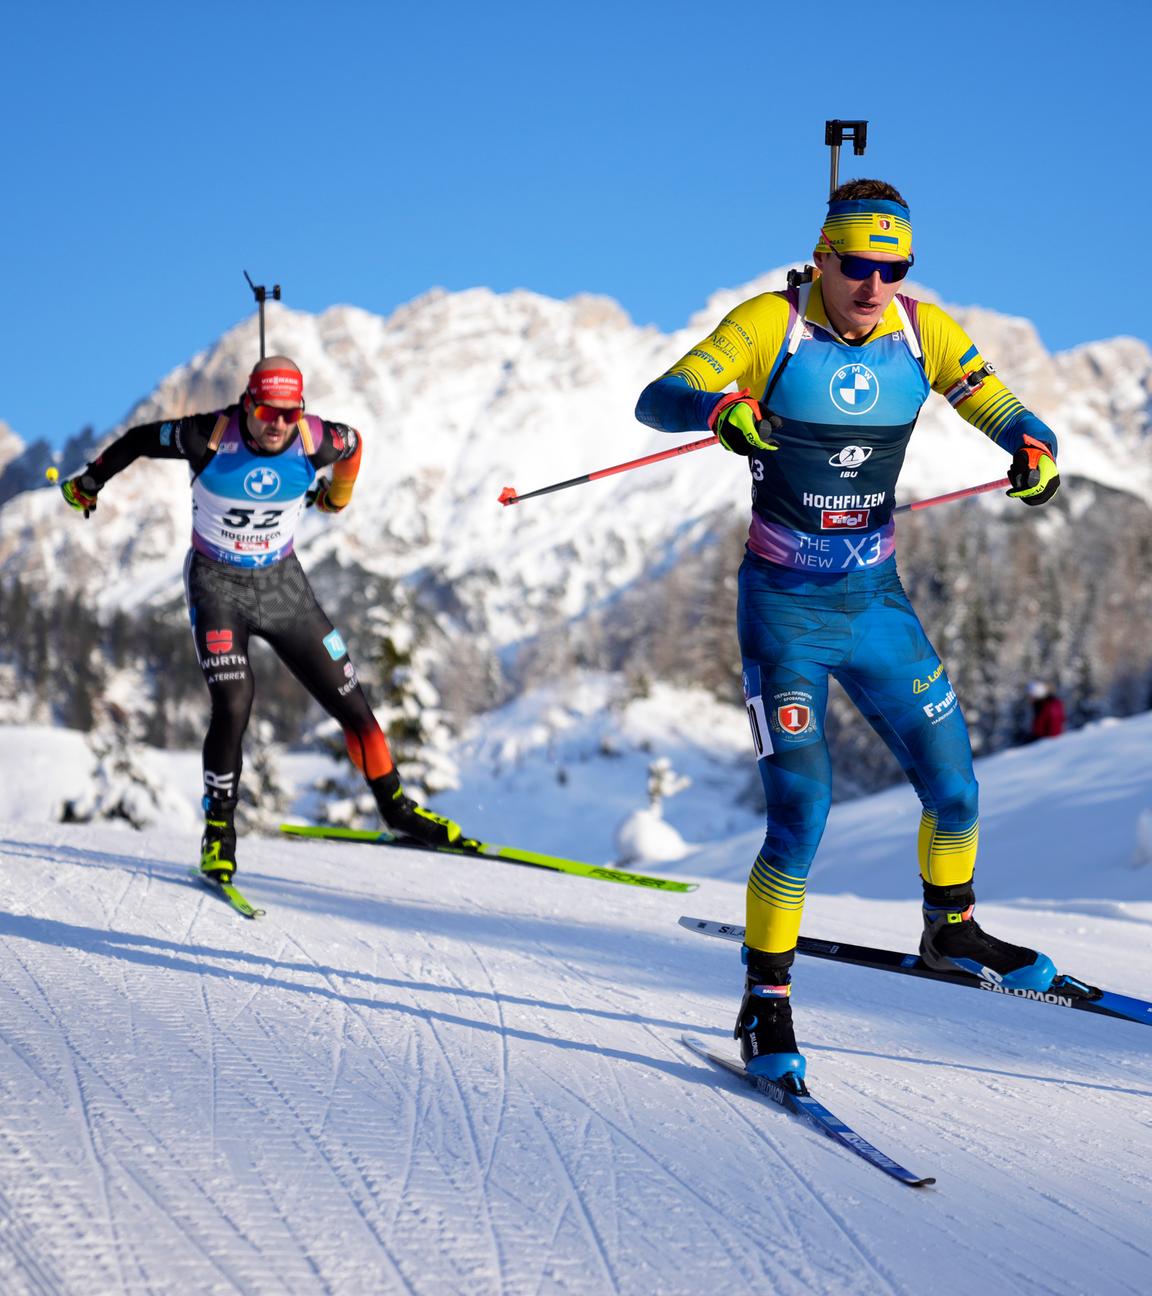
819	593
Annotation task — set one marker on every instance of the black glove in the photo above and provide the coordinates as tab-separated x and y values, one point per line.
318	496
1033	473
80	493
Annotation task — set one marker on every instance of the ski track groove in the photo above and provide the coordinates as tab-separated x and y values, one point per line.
504	1076
358	1200
359	1015
20	1243
576	1203
707	1209
81	1102
481	1165
154	1198
128	885
186	1229
77	1056
321	1142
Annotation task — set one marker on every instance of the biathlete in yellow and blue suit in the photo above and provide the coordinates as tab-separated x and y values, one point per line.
831	376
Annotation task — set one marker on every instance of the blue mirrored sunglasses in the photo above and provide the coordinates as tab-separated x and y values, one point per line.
861	267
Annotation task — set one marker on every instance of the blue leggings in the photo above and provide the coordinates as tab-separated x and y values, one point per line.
796	629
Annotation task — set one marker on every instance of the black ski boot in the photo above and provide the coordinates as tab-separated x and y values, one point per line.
954	941
408	819
218	845
764	1023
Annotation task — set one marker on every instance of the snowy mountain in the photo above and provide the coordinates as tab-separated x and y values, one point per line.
446	1076
460	394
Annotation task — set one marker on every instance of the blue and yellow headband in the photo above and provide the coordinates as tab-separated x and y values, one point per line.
867	225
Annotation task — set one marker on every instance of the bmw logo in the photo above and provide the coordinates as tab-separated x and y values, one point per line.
854	389
261	483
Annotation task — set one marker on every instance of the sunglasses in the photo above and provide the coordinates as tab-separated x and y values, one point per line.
860	268
270	413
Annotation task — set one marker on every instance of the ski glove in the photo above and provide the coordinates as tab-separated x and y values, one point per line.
740	426
80	493
1033	473
319	496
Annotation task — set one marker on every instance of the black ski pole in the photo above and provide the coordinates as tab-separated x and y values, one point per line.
260	292
835	134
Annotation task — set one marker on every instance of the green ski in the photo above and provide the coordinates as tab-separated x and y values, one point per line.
468	846
228	892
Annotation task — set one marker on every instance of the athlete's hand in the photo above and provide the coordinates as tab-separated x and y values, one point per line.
1033	473
80	493
740	426
318	496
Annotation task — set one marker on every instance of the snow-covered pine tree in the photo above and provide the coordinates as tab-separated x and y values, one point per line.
124	783
643	837
409	706
264	796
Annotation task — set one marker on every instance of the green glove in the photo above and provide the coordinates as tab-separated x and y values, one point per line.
740	427
1033	473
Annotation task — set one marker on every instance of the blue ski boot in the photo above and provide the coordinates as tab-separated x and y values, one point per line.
764	1023
953	941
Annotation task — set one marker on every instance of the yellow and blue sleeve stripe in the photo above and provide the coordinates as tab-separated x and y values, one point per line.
958	371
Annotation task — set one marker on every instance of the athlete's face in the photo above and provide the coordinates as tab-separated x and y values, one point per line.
855	306
272	436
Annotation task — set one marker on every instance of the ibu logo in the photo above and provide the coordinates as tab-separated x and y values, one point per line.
854	389
262	483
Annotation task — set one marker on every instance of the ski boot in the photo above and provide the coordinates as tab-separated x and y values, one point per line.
764	1023
218	845
953	941
408	819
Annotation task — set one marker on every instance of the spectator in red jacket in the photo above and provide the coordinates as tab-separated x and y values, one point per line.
1047	711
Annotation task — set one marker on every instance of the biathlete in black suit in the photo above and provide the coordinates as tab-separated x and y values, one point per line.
254	470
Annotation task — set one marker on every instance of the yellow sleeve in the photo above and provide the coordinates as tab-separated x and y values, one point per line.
958	371
741	349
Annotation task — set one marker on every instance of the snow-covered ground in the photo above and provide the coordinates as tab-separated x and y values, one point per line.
430	1075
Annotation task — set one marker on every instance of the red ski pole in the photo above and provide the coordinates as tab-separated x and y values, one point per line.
509	496
952	495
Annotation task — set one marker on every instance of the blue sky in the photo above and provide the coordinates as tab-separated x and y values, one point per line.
653	152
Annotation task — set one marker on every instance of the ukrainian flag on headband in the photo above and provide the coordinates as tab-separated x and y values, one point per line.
867	225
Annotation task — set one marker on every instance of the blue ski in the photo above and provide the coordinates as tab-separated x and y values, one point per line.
1064	992
794	1097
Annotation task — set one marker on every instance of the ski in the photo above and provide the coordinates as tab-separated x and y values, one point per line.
470	847
794	1097
1064	992
227	892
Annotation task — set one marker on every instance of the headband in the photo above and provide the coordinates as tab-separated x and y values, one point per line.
867	225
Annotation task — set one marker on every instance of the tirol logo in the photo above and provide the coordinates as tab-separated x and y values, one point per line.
262	483
844	519
851	457
854	389
335	645
218	641
794	718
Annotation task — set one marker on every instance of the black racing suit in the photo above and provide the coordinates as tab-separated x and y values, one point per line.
242	578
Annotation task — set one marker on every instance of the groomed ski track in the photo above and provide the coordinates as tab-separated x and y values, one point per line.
435	1076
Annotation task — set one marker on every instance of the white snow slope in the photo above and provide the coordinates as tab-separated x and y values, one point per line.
432	1075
